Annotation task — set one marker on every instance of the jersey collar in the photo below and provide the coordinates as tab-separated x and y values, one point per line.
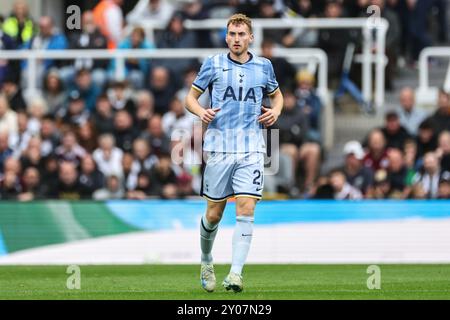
237	62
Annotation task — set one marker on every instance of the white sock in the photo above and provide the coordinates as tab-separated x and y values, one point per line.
242	238
208	233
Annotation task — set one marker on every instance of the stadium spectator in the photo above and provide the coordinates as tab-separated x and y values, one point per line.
90	178
120	97
49	176
48	38
410	155
394	133
13	93
293	126
50	135
426	138
410	115
5	150
341	188
176	36
144	188
356	174
145	104
31	186
108	17
334	41
159	11
443	150
267	10
10	186
8	117
392	40
124	130
87	136
376	156
163	177
112	190
397	175
284	71
37	109
428	176
381	187
301	37
441	118
309	102
19	140
108	157
12	164
155	136
31	156
88	90
196	10
136	70
6	67
54	92
420	10
103	116
143	160
89	37
189	77
67	187
75	114
70	150
162	88
19	25
444	186
177	118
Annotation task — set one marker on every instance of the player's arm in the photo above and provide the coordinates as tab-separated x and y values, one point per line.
192	105
270	115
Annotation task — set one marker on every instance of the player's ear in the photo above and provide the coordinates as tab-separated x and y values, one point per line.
251	37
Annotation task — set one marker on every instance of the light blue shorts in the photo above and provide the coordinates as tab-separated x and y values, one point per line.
229	175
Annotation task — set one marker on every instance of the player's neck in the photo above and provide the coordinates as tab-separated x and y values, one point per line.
242	58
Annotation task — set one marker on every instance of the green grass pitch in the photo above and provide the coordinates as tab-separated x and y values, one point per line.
260	282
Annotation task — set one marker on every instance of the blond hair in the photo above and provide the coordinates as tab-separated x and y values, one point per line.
240	18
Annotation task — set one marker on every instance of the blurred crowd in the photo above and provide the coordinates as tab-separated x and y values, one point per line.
89	135
407	158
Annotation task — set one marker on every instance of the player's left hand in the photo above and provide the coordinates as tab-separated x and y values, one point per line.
269	116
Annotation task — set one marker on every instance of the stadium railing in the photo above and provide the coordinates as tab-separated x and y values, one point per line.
427	95
315	59
367	25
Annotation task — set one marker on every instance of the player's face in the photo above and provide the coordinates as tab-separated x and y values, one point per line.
238	38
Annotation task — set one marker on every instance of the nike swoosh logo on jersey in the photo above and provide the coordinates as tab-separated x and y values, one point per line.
226	70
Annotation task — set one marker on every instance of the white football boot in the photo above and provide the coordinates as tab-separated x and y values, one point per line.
233	281
207	277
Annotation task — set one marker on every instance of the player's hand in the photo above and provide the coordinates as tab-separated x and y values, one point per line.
208	115
269	116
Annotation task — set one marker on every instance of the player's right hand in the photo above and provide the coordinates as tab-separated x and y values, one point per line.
208	115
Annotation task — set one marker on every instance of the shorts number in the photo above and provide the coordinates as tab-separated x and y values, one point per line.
258	176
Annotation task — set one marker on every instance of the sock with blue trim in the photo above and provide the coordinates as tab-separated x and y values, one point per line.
242	238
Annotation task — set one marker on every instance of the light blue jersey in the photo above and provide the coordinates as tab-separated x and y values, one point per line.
238	89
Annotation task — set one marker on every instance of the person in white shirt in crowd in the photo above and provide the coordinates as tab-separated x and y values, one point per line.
109	19
19	140
409	114
112	190
177	118
8	117
342	189
108	157
151	10
429	176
